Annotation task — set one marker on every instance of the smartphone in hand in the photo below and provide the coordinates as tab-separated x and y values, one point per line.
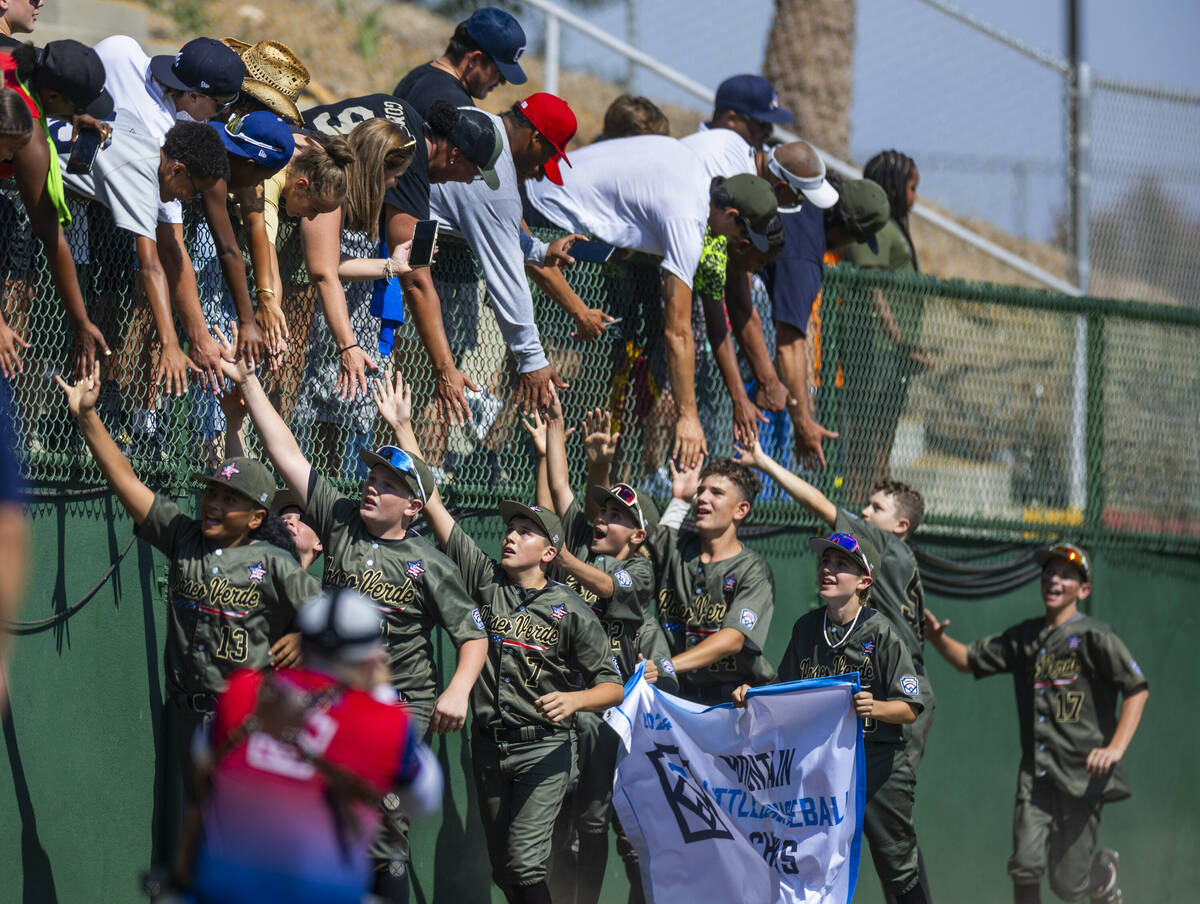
424	243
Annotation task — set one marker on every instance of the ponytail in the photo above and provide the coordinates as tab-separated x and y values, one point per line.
325	163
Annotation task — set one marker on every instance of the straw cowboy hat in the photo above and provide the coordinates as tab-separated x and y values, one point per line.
274	76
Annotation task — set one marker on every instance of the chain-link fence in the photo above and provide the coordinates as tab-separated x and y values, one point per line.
1017	413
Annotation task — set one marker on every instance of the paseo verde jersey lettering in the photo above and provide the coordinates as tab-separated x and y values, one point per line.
623	613
697	600
411	582
1067	679
540	641
869	645
227	606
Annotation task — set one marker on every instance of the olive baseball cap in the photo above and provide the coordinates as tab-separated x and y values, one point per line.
1068	552
756	205
860	549
542	517
416	475
638	504
867	208
247	476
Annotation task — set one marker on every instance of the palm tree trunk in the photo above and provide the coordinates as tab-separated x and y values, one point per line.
810	60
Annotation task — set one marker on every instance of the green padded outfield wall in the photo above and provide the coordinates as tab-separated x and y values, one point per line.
82	792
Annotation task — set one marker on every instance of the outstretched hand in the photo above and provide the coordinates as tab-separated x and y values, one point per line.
83	393
685	480
233	367
599	441
752	456
536	428
394	400
934	629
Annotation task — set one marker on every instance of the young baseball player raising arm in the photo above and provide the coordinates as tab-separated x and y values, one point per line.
368	546
847	636
541	636
1068	670
888	520
606	563
232	598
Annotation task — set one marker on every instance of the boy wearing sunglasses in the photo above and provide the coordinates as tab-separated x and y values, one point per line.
1068	669
369	546
542	639
848	636
606	563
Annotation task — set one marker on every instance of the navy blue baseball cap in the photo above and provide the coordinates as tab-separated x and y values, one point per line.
503	39
752	96
260	136
204	65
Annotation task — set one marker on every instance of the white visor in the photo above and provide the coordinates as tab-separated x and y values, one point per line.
816	189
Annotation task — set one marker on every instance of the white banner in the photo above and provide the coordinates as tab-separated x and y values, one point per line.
758	805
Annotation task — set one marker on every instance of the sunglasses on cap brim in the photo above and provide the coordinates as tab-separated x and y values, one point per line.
628	495
402	462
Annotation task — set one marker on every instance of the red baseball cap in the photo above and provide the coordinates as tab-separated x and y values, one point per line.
551	116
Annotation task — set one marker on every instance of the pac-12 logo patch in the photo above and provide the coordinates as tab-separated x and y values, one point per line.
623	578
415	569
557	612
909	685
749	618
477	618
258	572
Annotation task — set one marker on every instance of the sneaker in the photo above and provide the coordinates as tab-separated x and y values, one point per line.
1104	877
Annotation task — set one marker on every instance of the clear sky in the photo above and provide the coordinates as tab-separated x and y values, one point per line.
987	122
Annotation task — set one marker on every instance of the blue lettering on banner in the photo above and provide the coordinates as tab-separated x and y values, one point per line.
795	813
655	722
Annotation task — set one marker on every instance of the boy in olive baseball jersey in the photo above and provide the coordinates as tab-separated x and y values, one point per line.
542	639
606	564
368	546
847	636
717	596
1068	669
232	597
889	518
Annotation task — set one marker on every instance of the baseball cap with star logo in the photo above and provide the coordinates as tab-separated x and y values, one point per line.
542	517
247	476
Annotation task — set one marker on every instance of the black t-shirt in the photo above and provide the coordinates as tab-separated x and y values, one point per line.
411	193
427	83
